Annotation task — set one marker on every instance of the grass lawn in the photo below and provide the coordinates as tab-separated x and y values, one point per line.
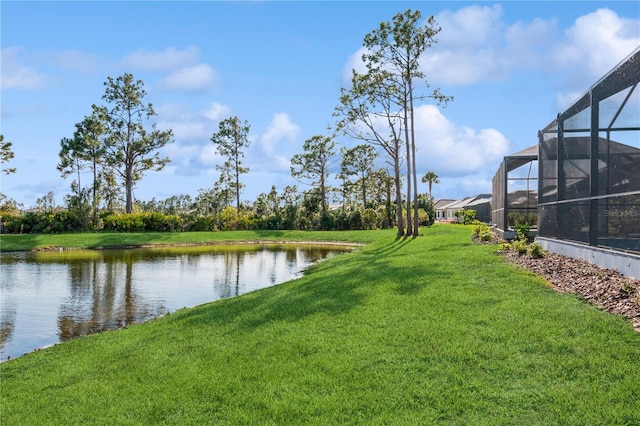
16	242
431	330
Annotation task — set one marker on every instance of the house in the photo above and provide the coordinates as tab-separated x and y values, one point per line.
439	207
481	203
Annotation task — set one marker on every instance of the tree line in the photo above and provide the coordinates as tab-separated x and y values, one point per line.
117	144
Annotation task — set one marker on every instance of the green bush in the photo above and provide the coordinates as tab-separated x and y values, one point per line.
504	246
369	219
522	230
486	234
11	223
142	222
158	222
535	250
482	231
118	222
52	222
199	223
520	246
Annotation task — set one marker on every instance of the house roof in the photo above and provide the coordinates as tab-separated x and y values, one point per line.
468	201
520	158
442	203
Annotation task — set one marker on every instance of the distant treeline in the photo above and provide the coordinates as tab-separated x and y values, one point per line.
303	216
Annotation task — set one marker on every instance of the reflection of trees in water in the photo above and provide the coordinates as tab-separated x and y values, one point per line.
7	321
228	283
267	265
7	308
271	264
102	285
239	266
102	298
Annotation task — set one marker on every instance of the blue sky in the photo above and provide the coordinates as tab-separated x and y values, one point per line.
511	67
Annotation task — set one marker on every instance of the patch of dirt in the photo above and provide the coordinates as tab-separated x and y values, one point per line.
606	288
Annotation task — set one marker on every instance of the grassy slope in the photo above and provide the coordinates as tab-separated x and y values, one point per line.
430	330
15	242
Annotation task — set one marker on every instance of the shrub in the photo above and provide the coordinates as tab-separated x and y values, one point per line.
504	246
536	250
469	216
200	223
482	231
522	230
11	223
123	222
465	217
520	246
486	234
369	218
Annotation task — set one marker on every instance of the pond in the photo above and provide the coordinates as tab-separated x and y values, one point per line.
48	297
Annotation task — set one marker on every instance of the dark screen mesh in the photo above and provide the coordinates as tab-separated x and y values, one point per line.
578	191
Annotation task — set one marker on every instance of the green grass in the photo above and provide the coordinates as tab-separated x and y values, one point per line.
16	242
432	330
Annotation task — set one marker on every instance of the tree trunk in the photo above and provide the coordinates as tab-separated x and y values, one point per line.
364	193
94	194
408	149
323	202
128	182
413	158
237	194
396	170
388	203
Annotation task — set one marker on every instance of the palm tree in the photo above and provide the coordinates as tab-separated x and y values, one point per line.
431	178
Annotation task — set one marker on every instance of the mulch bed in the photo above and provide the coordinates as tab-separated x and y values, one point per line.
606	288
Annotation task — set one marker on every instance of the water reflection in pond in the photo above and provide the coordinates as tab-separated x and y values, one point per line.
47	297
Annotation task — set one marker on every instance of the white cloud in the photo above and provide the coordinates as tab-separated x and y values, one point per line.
354	62
468	48
209	156
452	150
190	79
526	44
470	27
193	152
476	45
186	124
217	112
593	45
181	153
280	128
167	60
16	75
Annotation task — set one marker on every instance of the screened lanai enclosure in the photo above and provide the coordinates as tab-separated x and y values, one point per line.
515	193
589	166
